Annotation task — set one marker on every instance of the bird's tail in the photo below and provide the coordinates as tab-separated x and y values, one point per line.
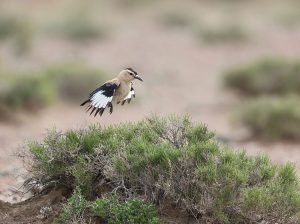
85	102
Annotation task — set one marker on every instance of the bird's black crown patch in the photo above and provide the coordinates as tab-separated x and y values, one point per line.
130	69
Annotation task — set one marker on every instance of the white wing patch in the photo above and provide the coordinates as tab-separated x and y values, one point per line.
99	100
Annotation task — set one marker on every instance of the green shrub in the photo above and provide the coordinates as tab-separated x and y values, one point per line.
69	78
131	211
288	18
78	28
268	76
74	208
272	118
111	209
175	20
229	33
17	28
134	4
165	160
8	26
26	92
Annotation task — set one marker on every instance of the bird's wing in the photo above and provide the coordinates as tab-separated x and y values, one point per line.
100	98
130	95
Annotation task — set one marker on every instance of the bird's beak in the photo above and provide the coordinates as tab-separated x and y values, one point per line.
139	78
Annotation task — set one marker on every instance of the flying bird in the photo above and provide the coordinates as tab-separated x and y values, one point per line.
117	90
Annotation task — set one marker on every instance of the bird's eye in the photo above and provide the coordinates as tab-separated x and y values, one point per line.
131	72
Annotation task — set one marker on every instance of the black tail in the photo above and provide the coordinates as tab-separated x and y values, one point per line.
85	102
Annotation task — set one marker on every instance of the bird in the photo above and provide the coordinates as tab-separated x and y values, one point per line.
115	91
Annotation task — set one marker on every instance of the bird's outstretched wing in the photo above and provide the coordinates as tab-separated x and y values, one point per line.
100	98
128	98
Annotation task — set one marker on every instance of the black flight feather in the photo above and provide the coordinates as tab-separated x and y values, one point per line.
93	110
85	102
101	111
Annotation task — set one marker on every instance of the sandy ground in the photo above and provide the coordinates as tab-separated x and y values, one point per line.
182	75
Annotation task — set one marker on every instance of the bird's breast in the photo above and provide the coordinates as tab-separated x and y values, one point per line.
121	92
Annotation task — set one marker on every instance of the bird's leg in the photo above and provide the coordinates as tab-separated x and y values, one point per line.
111	108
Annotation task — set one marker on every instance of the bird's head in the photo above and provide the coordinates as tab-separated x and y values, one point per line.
129	75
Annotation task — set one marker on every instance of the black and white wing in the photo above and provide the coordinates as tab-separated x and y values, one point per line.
100	98
130	95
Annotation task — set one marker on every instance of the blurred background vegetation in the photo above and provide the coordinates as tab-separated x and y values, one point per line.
231	64
32	90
